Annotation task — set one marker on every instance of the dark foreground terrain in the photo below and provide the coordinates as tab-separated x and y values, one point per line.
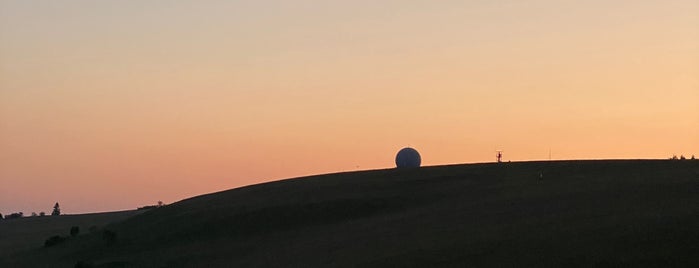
583	213
30	232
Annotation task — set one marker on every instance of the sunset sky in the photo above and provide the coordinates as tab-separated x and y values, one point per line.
110	105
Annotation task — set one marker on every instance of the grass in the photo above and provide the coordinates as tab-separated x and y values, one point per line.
583	213
26	233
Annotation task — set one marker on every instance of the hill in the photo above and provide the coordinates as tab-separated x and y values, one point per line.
582	213
30	232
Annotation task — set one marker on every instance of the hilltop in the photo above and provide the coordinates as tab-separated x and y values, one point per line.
582	213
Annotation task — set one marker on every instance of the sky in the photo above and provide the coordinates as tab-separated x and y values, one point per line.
112	105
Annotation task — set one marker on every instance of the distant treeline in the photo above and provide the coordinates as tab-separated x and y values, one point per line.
57	211
160	204
15	215
674	157
18	215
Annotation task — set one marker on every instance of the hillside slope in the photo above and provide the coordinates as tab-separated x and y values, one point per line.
30	232
582	213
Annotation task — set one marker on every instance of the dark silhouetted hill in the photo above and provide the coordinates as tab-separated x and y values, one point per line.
581	213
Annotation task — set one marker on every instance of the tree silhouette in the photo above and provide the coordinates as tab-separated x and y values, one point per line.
74	231
54	240
56	210
15	215
109	236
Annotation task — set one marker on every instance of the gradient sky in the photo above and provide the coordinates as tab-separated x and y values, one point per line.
110	105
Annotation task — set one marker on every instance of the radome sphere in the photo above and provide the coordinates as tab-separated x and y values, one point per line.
408	158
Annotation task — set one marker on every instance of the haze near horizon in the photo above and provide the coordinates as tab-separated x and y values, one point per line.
112	105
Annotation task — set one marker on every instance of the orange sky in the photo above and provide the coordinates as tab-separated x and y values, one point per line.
111	105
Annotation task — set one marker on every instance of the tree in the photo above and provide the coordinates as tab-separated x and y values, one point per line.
56	210
84	264
109	236
54	240
41	214
0	216
34	214
74	231
15	215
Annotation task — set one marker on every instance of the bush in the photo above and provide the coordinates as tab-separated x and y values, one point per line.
109	236
146	207
15	215
54	240
84	264
74	231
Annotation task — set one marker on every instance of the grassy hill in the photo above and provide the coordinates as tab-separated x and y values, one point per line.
582	213
30	232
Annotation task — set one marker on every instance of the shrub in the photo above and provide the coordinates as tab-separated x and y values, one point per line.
15	215
74	231
54	240
84	264
109	236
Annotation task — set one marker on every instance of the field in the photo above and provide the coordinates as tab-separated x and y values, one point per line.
561	213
